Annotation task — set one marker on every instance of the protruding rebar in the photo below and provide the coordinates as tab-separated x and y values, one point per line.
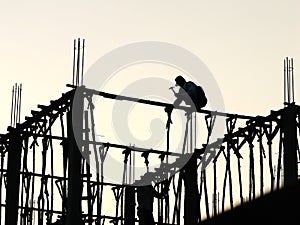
82	61
74	59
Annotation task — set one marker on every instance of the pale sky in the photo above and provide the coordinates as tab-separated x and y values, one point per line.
243	43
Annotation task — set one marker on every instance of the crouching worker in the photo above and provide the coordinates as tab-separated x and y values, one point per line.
190	93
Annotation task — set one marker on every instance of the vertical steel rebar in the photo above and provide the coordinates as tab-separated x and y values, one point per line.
78	63
261	159
240	181
12	106
292	80
82	61
87	165
284	81
288	80
279	159
74	59
20	104
215	189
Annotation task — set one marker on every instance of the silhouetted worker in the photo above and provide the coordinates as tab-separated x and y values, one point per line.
145	197
190	93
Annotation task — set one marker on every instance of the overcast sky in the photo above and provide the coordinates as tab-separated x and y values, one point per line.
243	43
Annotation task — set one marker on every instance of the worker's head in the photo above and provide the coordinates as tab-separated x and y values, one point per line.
180	81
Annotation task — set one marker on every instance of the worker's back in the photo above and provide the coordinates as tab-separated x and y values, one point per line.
196	93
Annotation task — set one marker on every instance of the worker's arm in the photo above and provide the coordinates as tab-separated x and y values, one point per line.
180	96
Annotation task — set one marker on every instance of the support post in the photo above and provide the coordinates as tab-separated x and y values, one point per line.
191	194
74	122
129	216
13	177
289	129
